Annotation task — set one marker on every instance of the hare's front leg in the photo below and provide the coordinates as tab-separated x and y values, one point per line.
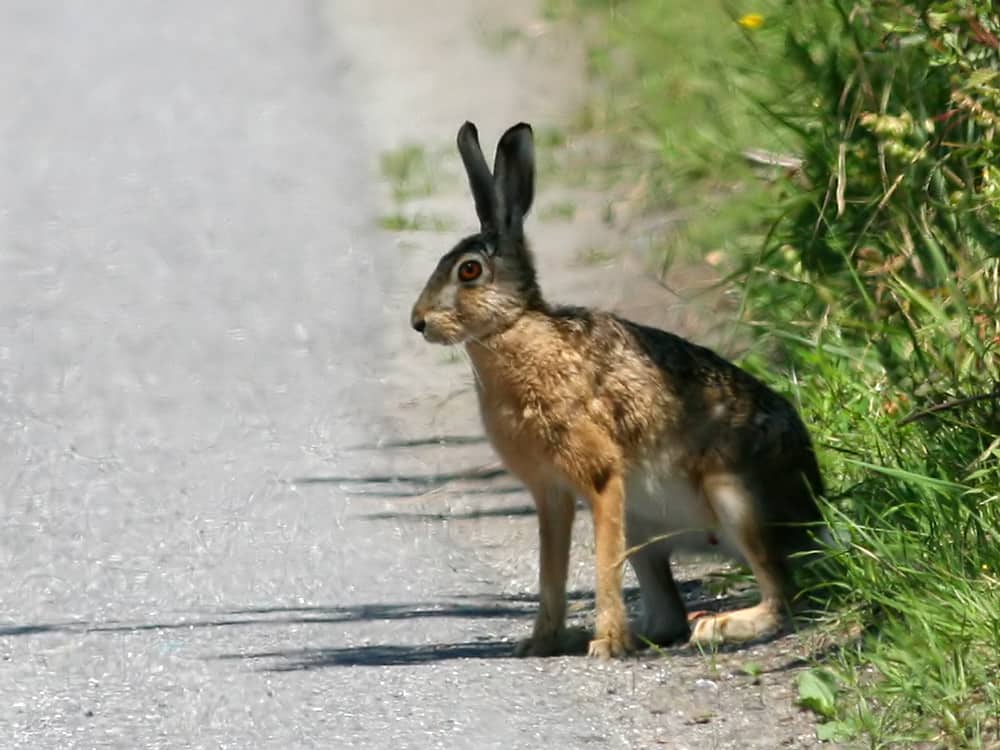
556	509
612	636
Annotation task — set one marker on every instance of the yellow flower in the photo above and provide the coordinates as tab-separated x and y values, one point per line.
751	21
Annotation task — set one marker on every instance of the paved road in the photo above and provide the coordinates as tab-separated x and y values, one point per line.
190	319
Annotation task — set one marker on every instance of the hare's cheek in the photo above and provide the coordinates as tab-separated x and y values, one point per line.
473	303
442	327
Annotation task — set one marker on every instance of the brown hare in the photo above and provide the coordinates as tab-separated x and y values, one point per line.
667	442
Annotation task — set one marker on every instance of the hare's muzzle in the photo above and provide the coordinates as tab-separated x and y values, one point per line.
418	318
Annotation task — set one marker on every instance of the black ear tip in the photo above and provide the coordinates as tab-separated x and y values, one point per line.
468	128
519	132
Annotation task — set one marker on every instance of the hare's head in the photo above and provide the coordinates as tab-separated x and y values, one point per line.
487	281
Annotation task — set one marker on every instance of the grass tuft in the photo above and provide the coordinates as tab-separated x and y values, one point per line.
401	222
409	172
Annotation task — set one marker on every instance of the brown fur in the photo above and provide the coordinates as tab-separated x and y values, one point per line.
576	401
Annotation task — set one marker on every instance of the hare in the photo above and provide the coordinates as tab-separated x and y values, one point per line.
668	443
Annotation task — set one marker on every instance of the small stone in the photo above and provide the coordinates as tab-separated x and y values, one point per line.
702	718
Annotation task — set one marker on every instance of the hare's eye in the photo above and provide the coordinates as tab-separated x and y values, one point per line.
470	270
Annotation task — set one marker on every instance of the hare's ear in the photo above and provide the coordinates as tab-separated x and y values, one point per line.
514	176
480	179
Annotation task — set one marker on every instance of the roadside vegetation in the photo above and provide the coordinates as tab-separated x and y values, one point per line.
840	160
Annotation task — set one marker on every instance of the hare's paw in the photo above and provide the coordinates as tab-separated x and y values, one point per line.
568	641
739	626
611	645
646	633
537	646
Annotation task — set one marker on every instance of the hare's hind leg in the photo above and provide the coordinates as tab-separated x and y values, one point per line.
663	618
739	516
556	509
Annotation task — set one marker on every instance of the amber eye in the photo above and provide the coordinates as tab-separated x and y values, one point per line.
470	270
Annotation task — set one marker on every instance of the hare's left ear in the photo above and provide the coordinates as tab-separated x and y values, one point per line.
514	177
480	179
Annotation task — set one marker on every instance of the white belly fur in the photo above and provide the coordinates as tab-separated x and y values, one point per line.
658	501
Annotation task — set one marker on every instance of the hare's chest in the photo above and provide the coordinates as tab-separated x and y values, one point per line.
520	429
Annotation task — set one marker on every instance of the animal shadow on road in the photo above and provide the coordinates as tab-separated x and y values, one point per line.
508	609
504	608
402	485
471	608
485	480
380	655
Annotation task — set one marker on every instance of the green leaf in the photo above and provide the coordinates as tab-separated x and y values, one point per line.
834	731
909	476
818	692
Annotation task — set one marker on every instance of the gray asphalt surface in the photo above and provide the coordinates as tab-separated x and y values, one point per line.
190	320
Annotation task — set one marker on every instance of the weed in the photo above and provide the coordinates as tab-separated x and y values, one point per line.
594	256
753	670
500	39
563	211
400	222
409	172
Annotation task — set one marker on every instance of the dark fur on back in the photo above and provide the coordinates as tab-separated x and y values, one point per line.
729	419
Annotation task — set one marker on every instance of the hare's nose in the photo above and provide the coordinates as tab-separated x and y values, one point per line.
419	324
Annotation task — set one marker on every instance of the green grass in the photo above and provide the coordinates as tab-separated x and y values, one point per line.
594	256
401	222
870	277
671	99
409	171
561	211
501	38
451	356
918	508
